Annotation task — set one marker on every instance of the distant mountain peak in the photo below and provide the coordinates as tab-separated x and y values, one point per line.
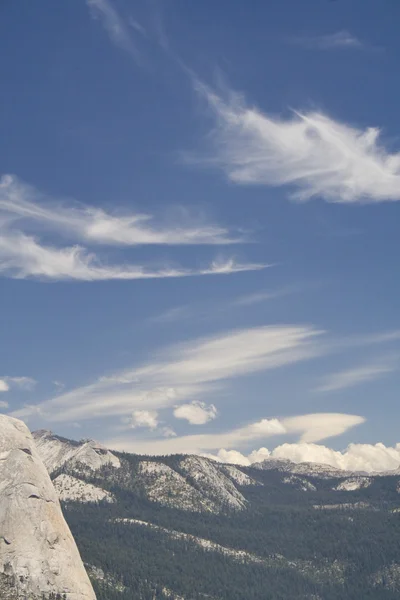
57	452
312	469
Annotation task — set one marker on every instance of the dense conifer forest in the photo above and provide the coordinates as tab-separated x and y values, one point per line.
291	549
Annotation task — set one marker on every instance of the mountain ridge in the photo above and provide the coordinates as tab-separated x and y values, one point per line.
206	529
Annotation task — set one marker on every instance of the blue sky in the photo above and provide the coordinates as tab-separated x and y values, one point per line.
199	209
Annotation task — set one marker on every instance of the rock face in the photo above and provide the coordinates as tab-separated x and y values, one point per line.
56	452
305	468
38	555
72	489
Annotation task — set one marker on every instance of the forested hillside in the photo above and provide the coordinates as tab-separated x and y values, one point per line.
187	528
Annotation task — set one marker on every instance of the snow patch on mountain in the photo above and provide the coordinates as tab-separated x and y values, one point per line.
167	593
71	488
299	483
57	452
167	487
110	581
388	577
306	468
217	486
344	506
238	476
352	484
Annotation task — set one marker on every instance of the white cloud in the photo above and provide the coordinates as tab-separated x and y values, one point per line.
315	154
235	353
231	456
24	255
320	426
22	383
4	387
186	372
59	385
258	455
168	432
199	370
3	404
355	376
177	313
196	413
200	443
114	25
144	418
356	457
370	458
338	40
21	202
257	297
312	427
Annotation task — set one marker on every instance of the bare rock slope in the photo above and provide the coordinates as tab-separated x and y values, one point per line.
38	555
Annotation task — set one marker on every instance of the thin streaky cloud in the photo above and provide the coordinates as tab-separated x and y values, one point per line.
171	315
23	256
137	26
264	296
211	309
339	40
20	202
355	376
117	31
182	373
317	156
193	371
24	215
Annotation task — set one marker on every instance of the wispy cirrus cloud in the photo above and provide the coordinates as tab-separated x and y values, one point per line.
20	202
23	254
264	296
195	371
342	40
115	26
356	376
184	373
23	257
309	151
211	309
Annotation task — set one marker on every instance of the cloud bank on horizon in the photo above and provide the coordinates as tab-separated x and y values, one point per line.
367	458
